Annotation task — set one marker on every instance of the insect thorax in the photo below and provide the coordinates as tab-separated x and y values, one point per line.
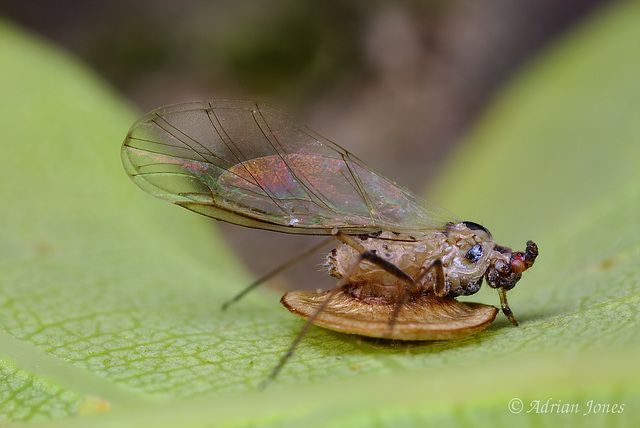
413	255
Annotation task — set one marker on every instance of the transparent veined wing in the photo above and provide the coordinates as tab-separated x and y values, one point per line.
251	164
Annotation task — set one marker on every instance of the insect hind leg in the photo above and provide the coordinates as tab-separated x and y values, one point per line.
372	257
275	272
310	321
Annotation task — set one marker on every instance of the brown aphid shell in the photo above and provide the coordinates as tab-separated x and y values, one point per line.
424	318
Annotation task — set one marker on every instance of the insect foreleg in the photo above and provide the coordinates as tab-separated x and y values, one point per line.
506	310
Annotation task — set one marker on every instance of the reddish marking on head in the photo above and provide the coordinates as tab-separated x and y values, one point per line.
518	265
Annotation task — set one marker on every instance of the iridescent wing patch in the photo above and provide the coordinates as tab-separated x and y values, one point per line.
251	164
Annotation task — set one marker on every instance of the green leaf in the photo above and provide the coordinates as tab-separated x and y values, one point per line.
110	300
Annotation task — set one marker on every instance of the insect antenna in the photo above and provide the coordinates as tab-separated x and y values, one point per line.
276	271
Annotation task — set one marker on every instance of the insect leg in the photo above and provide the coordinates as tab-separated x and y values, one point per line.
310	321
276	271
392	269
373	258
505	306
441	287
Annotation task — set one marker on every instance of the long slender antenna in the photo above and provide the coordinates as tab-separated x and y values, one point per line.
276	271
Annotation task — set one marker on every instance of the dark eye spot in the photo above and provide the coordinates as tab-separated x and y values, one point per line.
474	254
475	226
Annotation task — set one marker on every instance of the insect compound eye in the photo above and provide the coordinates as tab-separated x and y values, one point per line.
475	253
475	226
